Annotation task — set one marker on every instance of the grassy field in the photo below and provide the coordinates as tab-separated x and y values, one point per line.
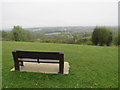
56	33
90	67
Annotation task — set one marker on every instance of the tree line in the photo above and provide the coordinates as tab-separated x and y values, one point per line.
17	34
104	36
100	36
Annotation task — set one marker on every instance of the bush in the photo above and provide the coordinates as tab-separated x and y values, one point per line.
117	39
84	40
102	36
19	34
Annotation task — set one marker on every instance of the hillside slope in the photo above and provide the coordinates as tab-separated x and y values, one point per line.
90	67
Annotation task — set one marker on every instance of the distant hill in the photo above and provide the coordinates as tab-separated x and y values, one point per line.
67	28
63	28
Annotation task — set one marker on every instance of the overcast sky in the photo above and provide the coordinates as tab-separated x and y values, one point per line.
69	13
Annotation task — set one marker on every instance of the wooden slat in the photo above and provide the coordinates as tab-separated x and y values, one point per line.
27	59
39	55
40	60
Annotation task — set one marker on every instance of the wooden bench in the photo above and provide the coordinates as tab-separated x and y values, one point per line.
39	57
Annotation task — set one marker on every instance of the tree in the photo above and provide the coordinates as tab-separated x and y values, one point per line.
102	36
117	39
4	35
95	39
109	38
19	34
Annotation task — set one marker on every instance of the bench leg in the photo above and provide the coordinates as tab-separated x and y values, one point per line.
61	67
21	63
16	64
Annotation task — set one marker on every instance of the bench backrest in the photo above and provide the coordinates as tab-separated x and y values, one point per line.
38	55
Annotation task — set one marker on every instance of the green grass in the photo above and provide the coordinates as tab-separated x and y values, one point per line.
90	67
56	33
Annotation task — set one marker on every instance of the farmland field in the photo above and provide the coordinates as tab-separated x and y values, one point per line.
90	67
53	33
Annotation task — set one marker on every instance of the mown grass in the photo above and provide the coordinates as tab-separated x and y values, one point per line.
90	67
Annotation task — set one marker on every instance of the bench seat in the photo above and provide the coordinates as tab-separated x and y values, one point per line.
40	60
